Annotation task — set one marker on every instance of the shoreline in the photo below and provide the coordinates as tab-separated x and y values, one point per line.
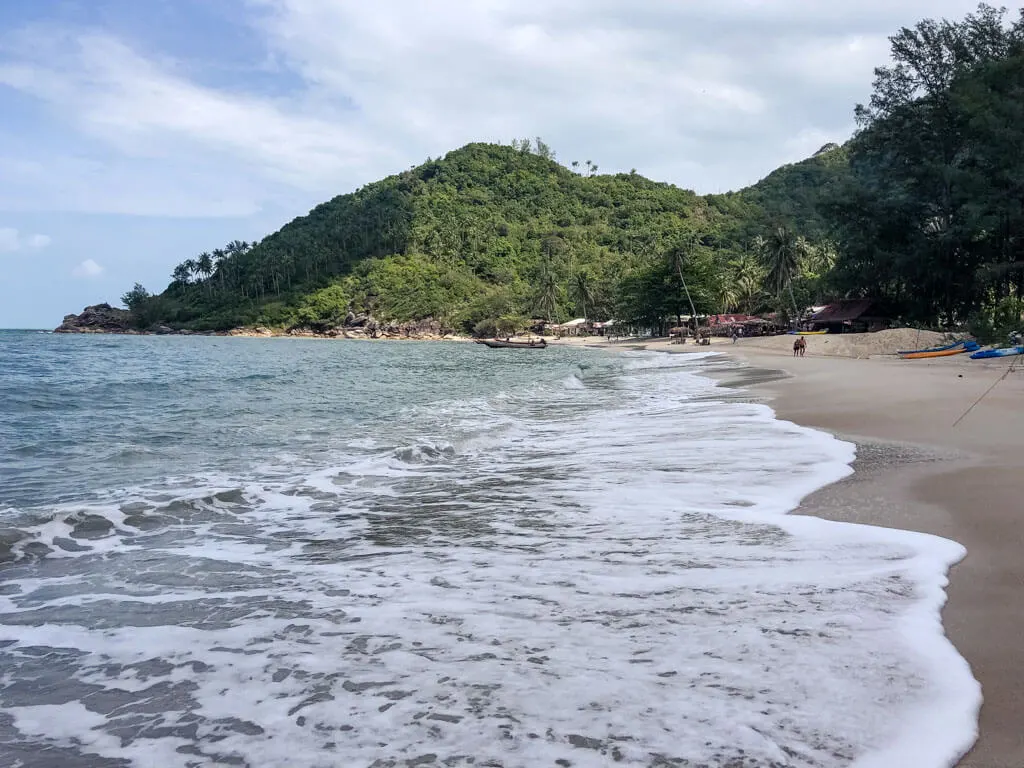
915	471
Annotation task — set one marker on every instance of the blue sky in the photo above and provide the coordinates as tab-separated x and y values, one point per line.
137	133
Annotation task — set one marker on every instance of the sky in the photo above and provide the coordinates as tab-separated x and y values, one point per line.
137	133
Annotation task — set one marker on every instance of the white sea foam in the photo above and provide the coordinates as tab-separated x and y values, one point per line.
602	576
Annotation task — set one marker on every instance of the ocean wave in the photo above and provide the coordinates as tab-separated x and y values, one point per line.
592	575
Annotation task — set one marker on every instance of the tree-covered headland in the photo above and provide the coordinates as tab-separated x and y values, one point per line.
922	210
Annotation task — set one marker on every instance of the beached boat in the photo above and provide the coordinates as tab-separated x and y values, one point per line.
939	352
503	344
806	333
957	348
935	349
1003	352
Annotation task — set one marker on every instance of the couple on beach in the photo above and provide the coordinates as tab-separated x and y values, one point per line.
799	346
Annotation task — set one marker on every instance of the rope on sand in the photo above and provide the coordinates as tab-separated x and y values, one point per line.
1006	373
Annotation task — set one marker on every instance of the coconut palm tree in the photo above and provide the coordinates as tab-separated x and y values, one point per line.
727	293
546	298
679	254
181	274
190	265
204	264
583	291
219	256
782	253
749	293
746	265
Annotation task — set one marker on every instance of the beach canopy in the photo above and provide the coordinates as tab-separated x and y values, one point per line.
729	319
841	311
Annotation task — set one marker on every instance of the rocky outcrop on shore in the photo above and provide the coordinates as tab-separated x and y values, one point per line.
361	327
103	318
99	318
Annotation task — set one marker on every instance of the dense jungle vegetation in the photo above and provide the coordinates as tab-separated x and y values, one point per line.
922	210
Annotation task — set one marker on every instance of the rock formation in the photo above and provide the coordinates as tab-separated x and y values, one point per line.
99	318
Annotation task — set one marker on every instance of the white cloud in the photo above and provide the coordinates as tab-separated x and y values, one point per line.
87	269
11	240
710	94
117	95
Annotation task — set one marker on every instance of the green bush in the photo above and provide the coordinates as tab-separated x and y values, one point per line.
994	324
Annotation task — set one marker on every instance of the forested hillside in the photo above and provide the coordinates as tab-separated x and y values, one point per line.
923	211
490	234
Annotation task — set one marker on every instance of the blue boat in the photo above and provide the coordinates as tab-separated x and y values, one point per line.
1003	352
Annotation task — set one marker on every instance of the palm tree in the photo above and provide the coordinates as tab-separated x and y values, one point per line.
235	248
727	293
219	264
677	255
583	291
746	265
190	265
818	259
181	274
204	264
782	253
749	293
546	299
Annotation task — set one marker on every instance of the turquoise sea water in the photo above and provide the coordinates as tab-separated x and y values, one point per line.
281	552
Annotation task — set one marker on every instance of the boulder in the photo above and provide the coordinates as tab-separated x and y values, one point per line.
99	318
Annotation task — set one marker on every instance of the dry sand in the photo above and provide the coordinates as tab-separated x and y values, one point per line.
917	471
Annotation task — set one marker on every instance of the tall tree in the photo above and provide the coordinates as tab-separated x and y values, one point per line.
583	291
181	274
782	253
204	265
545	302
906	222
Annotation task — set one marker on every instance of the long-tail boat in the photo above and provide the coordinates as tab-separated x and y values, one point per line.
509	344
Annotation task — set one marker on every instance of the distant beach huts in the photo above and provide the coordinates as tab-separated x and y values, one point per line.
580	327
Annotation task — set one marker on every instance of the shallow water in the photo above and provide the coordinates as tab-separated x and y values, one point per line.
223	551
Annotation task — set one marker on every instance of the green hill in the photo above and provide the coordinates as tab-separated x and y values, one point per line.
920	211
498	233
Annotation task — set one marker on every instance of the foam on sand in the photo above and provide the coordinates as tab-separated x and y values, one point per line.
601	573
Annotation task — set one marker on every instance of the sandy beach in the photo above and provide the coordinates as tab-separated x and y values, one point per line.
917	471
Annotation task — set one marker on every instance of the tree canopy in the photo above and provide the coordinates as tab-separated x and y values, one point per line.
929	218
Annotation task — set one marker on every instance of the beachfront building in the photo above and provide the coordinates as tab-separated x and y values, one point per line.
572	328
748	325
849	316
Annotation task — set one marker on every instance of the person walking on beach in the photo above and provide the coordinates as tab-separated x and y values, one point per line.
799	346
735	334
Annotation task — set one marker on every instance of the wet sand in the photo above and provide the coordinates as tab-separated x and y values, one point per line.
916	471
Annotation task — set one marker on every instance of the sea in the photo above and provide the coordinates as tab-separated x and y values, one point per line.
309	553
